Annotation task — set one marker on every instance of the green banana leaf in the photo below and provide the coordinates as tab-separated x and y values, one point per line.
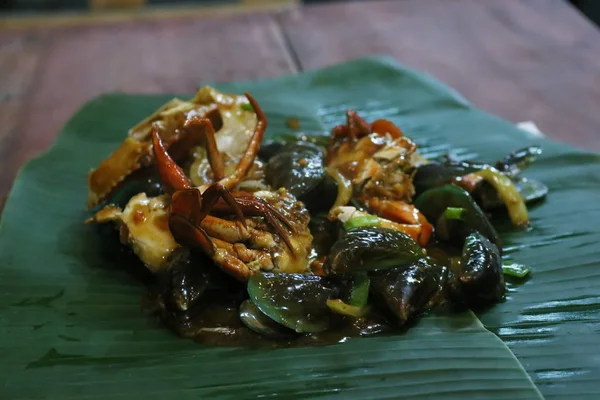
71	324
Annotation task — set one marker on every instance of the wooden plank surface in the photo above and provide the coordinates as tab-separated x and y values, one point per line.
520	59
48	74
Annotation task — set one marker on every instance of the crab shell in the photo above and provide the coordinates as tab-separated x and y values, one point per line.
237	126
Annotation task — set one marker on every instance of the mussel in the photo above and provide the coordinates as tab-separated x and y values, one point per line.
191	280
514	163
137	183
530	190
435	174
446	169
325	232
476	280
497	187
183	285
298	167
409	290
272	147
371	249
433	204
258	322
296	301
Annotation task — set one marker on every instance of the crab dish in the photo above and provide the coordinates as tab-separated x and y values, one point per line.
302	239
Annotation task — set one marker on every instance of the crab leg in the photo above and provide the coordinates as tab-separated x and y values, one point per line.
190	235
171	175
197	128
190	204
234	259
255	206
248	159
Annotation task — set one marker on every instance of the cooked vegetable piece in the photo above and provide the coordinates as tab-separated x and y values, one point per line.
340	307
297	301
455	213
530	190
371	249
516	270
359	293
508	193
247	107
361	222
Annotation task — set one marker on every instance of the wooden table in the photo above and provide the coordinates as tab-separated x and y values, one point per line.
521	59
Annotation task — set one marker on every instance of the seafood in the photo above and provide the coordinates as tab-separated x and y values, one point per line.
476	278
373	162
493	187
409	290
434	203
164	228
371	249
297	301
257	321
234	124
298	167
325	236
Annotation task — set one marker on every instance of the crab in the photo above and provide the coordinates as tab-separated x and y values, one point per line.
372	162
225	113
242	232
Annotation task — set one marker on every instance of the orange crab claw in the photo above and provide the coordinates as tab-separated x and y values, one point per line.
194	131
248	159
189	208
171	175
192	205
383	126
203	127
190	235
357	126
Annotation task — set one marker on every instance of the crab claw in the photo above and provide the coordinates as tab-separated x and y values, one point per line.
383	126
171	175
248	158
357	127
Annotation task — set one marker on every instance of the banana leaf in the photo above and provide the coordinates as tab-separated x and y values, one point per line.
71	324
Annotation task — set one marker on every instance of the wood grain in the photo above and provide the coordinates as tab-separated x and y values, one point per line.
77	64
520	59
